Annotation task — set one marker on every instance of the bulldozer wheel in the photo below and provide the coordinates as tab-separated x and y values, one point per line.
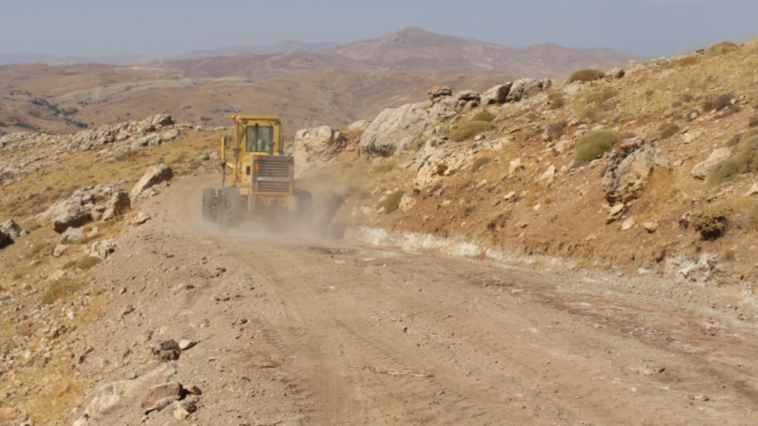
209	200
229	214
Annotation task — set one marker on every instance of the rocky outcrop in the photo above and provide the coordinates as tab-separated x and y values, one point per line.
71	235
496	95
72	216
525	88
392	130
439	91
700	171
314	147
12	229
630	164
154	175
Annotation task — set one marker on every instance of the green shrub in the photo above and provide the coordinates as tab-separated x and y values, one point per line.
712	220
586	75
721	49
391	202
88	263
484	116
469	130
58	290
595	143
555	130
717	102
751	219
668	130
478	164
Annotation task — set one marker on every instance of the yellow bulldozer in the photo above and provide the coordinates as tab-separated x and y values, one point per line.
258	180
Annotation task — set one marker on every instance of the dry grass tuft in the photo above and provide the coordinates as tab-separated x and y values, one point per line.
721	49
687	61
58	290
660	194
754	104
87	263
478	164
718	102
555	130
555	100
751	219
484	116
469	130
595	143
744	159
391	202
712	220
586	75
54	390
668	130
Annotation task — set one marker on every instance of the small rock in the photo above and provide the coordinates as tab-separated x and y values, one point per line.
167	350
140	219
128	309
650	226
753	190
59	250
701	398
160	396
185	344
628	224
71	235
192	390
509	196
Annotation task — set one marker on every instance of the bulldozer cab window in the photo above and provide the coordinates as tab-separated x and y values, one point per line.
261	141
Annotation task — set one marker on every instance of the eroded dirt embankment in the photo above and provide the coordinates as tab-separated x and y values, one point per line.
295	331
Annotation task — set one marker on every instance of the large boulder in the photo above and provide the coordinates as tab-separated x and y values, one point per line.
72	215
392	130
525	88
630	164
700	171
154	175
497	94
314	147
117	205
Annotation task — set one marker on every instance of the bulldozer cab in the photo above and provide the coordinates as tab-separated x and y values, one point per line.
257	134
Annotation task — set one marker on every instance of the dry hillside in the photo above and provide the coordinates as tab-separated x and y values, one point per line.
600	255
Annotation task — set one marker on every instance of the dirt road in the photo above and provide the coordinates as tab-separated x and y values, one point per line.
297	331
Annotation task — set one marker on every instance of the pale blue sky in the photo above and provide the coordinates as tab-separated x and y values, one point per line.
171	27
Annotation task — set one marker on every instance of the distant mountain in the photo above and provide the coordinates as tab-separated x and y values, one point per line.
271	49
41	58
414	48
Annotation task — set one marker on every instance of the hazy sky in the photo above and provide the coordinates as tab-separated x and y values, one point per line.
170	27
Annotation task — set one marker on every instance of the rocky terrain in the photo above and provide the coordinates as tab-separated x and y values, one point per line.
540	251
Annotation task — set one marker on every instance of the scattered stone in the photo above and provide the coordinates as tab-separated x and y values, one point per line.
515	166
549	175
650	227
615	213
509	196
628	224
160	396
103	249
192	390
700	171
12	229
5	239
140	219
167	350
525	88
153	176
59	250
185	344
753	190
71	235
407	202
74	217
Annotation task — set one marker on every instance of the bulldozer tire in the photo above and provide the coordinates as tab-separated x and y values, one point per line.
209	200
231	210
